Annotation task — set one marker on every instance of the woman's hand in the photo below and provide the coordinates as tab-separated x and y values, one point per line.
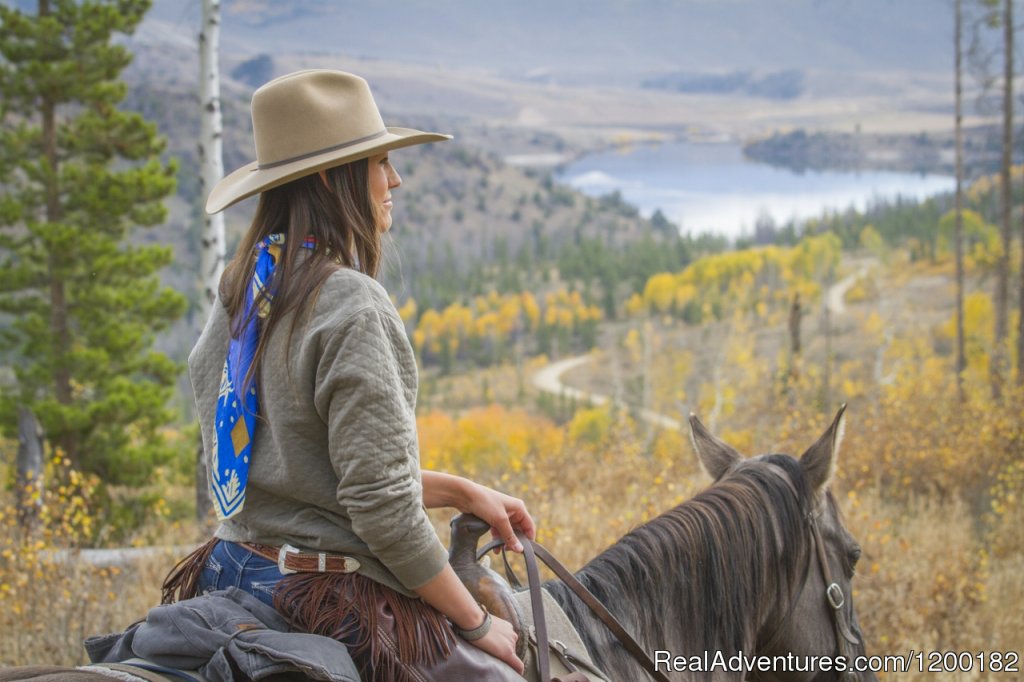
502	512
500	642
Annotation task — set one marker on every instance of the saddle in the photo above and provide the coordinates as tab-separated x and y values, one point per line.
501	598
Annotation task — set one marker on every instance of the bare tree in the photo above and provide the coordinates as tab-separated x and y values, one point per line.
1020	319
998	366
961	360
793	369
212	251
794	327
30	468
827	331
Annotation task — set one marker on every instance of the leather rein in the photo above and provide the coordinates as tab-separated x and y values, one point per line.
533	550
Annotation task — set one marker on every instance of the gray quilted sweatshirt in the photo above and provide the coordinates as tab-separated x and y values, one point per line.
335	459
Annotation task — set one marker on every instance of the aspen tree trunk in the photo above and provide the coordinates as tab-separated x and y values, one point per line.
211	258
958	247
999	359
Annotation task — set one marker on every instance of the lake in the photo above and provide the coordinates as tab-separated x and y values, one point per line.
712	187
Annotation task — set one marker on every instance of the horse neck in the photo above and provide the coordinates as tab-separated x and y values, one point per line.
699	578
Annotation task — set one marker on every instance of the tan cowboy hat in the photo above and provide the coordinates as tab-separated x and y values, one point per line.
305	122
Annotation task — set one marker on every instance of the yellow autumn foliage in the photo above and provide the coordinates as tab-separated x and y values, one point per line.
408	311
498	320
50	599
486	439
979	321
752	279
590	426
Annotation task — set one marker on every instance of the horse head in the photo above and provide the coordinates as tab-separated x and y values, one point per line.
817	618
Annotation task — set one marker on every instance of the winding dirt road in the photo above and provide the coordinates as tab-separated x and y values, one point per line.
549	378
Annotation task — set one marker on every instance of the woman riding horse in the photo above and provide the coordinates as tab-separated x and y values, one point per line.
305	387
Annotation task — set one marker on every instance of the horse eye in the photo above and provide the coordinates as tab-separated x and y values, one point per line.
854	554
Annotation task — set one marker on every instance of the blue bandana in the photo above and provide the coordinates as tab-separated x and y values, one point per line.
236	414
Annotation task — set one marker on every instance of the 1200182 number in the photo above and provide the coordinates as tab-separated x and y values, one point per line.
965	661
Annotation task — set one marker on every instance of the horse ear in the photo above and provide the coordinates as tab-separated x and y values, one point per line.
819	462
716	456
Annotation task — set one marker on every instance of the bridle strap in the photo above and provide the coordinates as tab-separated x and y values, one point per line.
834	598
833	595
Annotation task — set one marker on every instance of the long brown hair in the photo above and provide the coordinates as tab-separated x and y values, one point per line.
337	213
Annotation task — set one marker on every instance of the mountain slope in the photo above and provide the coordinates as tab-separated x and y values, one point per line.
582	41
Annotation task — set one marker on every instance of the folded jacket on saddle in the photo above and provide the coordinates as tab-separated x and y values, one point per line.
210	632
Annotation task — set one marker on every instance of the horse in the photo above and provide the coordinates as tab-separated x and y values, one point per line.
749	579
759	564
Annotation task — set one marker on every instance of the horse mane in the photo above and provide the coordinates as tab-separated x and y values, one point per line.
703	575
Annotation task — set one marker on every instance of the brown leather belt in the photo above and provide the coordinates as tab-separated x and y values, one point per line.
293	560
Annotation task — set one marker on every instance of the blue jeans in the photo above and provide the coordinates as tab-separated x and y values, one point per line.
231	565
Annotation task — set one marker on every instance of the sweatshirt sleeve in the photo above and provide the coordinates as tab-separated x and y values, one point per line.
365	392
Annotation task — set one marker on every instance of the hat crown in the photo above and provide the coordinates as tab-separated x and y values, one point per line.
307	122
312	111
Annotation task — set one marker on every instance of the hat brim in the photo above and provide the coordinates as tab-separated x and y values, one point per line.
251	179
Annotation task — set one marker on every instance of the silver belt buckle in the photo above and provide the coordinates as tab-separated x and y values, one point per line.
285	550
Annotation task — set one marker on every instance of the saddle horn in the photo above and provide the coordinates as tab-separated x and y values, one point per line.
486	586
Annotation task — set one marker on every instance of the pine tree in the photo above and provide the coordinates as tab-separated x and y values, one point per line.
78	176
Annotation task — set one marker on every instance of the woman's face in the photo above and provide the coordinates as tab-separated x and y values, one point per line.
383	178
